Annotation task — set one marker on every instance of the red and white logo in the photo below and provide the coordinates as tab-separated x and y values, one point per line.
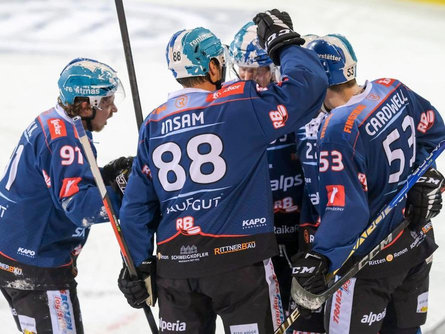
279	116
146	171
363	181
426	121
385	82
69	186
336	195
57	128
186	225
47	178
237	88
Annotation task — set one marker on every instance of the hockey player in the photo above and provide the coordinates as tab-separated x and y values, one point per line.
48	201
286	177
200	183
372	140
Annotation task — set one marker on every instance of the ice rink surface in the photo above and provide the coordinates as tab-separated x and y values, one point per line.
398	39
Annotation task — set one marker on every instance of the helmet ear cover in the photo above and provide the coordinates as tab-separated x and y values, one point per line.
337	57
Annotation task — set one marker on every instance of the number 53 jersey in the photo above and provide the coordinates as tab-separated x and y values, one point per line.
367	148
201	180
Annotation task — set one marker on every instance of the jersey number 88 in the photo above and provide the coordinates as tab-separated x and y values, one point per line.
213	157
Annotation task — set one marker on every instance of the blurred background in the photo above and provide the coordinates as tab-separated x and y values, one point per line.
397	39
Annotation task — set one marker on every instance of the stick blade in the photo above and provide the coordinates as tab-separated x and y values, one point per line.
305	298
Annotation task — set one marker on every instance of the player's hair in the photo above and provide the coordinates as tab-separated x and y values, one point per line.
73	110
338	88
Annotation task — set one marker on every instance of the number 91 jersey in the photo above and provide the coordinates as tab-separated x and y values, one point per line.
367	149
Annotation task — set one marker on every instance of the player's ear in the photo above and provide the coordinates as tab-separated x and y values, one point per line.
85	109
214	70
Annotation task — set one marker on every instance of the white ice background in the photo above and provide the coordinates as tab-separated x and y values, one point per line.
399	39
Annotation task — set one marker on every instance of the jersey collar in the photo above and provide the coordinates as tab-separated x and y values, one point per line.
185	91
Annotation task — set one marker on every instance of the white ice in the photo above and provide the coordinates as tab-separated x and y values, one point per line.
399	39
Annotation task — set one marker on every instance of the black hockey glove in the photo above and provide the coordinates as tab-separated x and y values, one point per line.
310	269
141	289
275	31
116	173
424	199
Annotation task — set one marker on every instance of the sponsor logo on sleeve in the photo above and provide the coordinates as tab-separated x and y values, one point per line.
70	186
57	128
363	181
47	178
336	195
279	116
236	88
426	121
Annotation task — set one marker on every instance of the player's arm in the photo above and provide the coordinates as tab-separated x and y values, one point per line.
283	107
140	212
71	183
429	126
343	206
424	199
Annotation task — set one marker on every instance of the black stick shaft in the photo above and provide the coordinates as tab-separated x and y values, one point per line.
129	60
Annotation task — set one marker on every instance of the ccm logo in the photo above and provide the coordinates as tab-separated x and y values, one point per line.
279	116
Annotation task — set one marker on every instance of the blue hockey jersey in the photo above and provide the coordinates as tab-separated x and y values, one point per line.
286	181
200	179
307	152
48	197
367	148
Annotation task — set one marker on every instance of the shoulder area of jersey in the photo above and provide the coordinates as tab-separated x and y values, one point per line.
188	101
386	83
55	126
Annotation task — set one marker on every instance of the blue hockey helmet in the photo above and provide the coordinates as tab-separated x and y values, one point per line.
309	38
337	56
189	52
245	50
84	77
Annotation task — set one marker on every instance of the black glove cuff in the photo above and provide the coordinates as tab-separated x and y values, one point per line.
276	46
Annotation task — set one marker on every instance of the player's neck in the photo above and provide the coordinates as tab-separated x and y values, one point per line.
207	85
335	98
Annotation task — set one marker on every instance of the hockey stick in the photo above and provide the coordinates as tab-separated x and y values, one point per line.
129	60
350	265
84	140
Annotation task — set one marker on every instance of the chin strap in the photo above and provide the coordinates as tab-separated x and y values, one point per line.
217	83
89	119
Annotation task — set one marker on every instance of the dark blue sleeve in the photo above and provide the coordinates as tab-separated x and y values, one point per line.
344	206
140	206
285	106
430	129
